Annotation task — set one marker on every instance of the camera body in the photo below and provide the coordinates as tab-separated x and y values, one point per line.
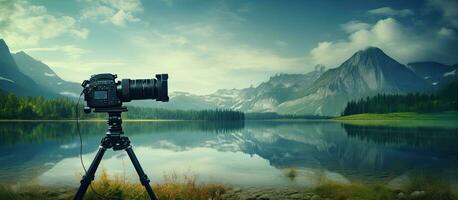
102	91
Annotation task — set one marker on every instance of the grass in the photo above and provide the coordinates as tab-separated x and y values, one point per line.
434	187
291	173
186	187
444	120
176	187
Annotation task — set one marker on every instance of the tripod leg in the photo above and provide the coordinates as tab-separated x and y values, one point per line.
143	178
89	177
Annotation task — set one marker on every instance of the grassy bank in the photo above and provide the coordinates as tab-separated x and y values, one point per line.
185	187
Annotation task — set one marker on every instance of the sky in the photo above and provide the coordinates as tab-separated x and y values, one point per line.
209	45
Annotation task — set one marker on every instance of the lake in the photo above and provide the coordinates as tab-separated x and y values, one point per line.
251	153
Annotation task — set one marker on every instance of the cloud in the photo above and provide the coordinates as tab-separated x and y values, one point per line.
207	59
24	25
117	12
354	25
72	51
388	11
449	10
403	43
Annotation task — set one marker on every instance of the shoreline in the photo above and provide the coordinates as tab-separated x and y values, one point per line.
399	116
188	189
389	117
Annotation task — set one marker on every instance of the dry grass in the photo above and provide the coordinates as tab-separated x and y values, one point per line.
175	187
291	173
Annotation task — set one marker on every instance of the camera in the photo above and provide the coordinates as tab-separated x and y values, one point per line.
102	91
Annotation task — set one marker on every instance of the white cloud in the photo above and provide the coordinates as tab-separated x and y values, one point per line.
354	25
208	61
72	51
388	11
403	43
23	24
449	10
117	12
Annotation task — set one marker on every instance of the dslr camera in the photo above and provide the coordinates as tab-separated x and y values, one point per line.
102	91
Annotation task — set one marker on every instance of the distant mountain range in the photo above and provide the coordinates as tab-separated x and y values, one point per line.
320	92
366	73
13	80
43	75
26	76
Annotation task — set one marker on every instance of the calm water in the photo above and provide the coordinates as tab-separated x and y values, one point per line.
250	153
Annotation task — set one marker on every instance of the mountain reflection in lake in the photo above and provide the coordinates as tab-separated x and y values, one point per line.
236	153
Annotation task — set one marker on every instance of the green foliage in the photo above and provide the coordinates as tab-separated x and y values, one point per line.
16	107
273	115
444	100
157	113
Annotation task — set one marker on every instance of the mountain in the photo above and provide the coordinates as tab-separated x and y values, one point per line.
43	75
263	98
13	80
366	73
434	73
280	88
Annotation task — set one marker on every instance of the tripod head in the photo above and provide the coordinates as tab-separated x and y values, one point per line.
114	138
114	118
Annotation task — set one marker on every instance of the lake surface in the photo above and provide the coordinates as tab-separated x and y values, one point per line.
236	153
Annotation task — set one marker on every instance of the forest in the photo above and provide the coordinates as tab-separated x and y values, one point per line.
445	99
18	107
276	116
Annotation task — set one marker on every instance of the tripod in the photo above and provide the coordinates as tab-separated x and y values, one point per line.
114	139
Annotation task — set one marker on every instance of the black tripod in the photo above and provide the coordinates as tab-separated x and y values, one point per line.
114	139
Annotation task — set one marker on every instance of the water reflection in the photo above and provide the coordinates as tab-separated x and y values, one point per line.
252	153
432	139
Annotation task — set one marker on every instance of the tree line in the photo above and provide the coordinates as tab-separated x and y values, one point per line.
274	115
19	107
445	99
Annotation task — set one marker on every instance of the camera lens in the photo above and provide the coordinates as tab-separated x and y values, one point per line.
155	88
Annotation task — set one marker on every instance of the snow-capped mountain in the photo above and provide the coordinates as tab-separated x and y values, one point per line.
367	72
263	98
434	73
43	75
12	79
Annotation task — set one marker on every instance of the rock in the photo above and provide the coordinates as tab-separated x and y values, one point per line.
264	197
236	190
65	196
228	196
401	195
416	194
315	197
296	196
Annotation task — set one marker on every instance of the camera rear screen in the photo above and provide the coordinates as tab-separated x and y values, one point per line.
100	94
